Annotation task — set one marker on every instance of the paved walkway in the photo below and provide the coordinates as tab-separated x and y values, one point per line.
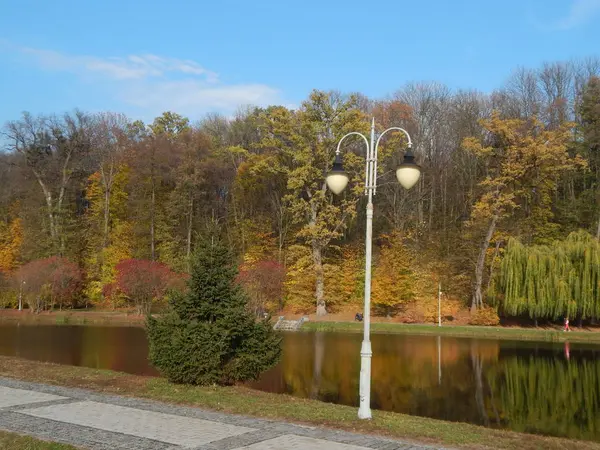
105	422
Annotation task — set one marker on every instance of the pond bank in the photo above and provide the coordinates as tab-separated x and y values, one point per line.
77	317
511	333
241	400
122	318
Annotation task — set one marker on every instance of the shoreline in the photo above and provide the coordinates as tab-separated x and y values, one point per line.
120	318
467	331
72	317
248	402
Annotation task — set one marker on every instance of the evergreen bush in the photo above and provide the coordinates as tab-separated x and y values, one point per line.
208	336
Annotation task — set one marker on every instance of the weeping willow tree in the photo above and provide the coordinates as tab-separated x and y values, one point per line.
548	282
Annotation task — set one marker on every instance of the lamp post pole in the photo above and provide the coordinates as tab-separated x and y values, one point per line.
366	353
364	410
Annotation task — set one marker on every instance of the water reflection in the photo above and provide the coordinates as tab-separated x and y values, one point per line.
123	349
534	387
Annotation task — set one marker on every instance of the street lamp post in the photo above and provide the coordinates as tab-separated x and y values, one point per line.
408	173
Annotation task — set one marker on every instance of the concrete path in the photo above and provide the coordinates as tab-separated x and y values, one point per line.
106	422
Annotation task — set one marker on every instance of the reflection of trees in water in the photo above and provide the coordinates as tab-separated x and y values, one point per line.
318	365
521	386
321	365
549	395
405	376
481	389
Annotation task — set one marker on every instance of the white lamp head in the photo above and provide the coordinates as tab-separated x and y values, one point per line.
409	172
337	179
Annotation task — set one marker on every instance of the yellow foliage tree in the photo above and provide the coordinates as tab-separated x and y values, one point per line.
300	280
347	278
524	161
109	236
393	278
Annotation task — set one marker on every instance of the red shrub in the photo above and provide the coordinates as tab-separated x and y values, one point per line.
144	281
263	282
53	280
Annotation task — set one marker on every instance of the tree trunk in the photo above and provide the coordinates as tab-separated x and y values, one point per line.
598	231
107	181
477	301
51	219
152	206
188	248
420	195
444	203
106	215
281	229
63	187
320	279
50	210
431	204
492	264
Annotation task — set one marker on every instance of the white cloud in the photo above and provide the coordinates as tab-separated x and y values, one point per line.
155	83
191	96
581	12
130	67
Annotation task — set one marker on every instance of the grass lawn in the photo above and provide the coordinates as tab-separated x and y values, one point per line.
515	333
241	400
15	441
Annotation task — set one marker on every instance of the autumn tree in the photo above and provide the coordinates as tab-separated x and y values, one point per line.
523	162
144	282
109	233
590	127
263	282
307	141
393	279
99	188
11	239
50	148
49	281
188	191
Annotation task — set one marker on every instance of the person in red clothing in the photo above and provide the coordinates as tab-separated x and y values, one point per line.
567	324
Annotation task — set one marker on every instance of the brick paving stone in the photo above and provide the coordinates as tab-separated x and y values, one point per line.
99	421
14	397
183	431
293	442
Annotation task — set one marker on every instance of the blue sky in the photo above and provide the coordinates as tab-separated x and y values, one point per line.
194	56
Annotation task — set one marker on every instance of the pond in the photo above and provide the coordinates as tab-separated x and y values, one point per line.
544	388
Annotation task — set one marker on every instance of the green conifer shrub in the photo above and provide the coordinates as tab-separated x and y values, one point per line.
208	336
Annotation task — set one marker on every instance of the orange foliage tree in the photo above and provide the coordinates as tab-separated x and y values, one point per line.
11	238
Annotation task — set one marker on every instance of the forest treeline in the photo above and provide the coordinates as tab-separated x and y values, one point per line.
99	209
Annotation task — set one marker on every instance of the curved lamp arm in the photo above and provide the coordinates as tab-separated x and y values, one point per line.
337	152
377	148
397	129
